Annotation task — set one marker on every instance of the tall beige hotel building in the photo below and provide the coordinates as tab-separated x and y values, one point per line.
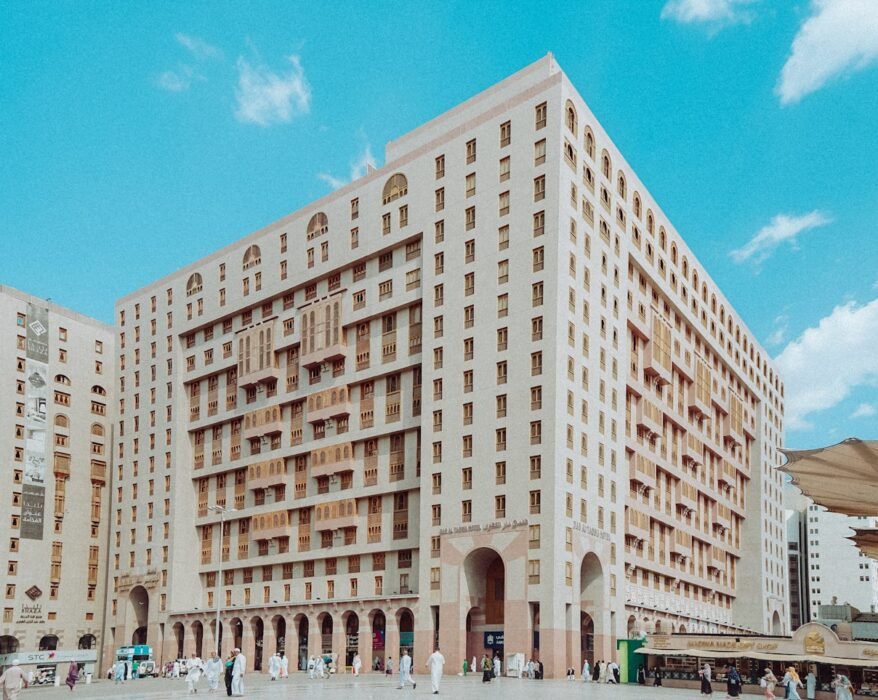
57	370
484	396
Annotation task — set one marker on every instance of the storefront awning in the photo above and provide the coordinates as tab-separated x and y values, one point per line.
842	477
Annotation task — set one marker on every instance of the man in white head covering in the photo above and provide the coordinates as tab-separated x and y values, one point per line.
239	668
12	680
274	666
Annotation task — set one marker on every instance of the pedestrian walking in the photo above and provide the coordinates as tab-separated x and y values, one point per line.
230	665
811	685
658	675
733	682
12	680
706	688
496	668
486	669
641	675
474	665
586	671
194	667
436	664
388	667
284	665
356	664
843	687
767	683
602	671
212	670
274	666
239	668
119	672
791	683
72	675
405	670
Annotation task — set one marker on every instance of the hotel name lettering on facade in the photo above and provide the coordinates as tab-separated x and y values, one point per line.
486	527
148	580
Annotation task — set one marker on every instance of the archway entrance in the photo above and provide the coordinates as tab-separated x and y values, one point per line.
138	614
178	632
198	636
486	590
591	600
352	637
48	643
325	622
632	627
406	623
379	629
236	628
279	624
302	627
8	644
257	627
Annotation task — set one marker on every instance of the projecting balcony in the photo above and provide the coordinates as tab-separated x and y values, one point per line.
638	322
682	362
657	363
722	517
681	544
264	421
332	460
268	526
699	402
649	418
716	559
728	475
641	470
330	403
336	515
265	375
686	496
318	354
263	475
98	472
732	430
636	524
693	450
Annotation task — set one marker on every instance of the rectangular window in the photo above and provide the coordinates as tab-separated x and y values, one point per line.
471	151
505	168
539	223
471	185
539	188
504	203
503	238
439	199
505	133
540	152
440	167
470	218
540	113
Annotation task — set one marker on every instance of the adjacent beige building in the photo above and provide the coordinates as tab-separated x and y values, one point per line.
55	442
482	396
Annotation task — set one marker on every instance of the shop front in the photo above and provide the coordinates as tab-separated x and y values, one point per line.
813	647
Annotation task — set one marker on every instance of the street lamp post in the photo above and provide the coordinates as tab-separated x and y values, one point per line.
222	510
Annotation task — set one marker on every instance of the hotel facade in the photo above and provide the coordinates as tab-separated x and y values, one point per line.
55	440
484	396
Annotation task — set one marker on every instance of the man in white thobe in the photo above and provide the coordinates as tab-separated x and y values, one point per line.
12	680
473	666
284	666
239	668
496	666
175	672
212	671
357	664
405	670
586	671
435	663
193	672
274	666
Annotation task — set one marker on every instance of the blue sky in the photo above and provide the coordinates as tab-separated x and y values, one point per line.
138	137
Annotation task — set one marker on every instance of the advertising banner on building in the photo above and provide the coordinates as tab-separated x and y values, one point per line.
33	492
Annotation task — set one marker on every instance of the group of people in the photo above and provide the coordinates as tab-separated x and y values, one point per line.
791	682
14	679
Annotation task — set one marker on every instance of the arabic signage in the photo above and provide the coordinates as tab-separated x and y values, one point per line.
33	491
494	640
486	527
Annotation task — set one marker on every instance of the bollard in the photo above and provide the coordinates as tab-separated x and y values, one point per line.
88	679
57	681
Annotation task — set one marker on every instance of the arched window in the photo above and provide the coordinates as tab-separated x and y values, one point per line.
318	225
87	641
570	113
194	284
662	238
621	187
48	643
62	421
252	257
397	186
637	205
674	253
99	390
589	143
62	379
97	429
606	165
650	223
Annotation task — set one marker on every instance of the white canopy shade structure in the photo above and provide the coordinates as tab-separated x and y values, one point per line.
843	478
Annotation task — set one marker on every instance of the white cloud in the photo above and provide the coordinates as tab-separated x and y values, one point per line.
779	331
827	362
264	97
840	36
781	228
707	11
199	48
176	80
864	410
359	167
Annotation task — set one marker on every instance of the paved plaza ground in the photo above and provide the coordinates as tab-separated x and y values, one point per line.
377	687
